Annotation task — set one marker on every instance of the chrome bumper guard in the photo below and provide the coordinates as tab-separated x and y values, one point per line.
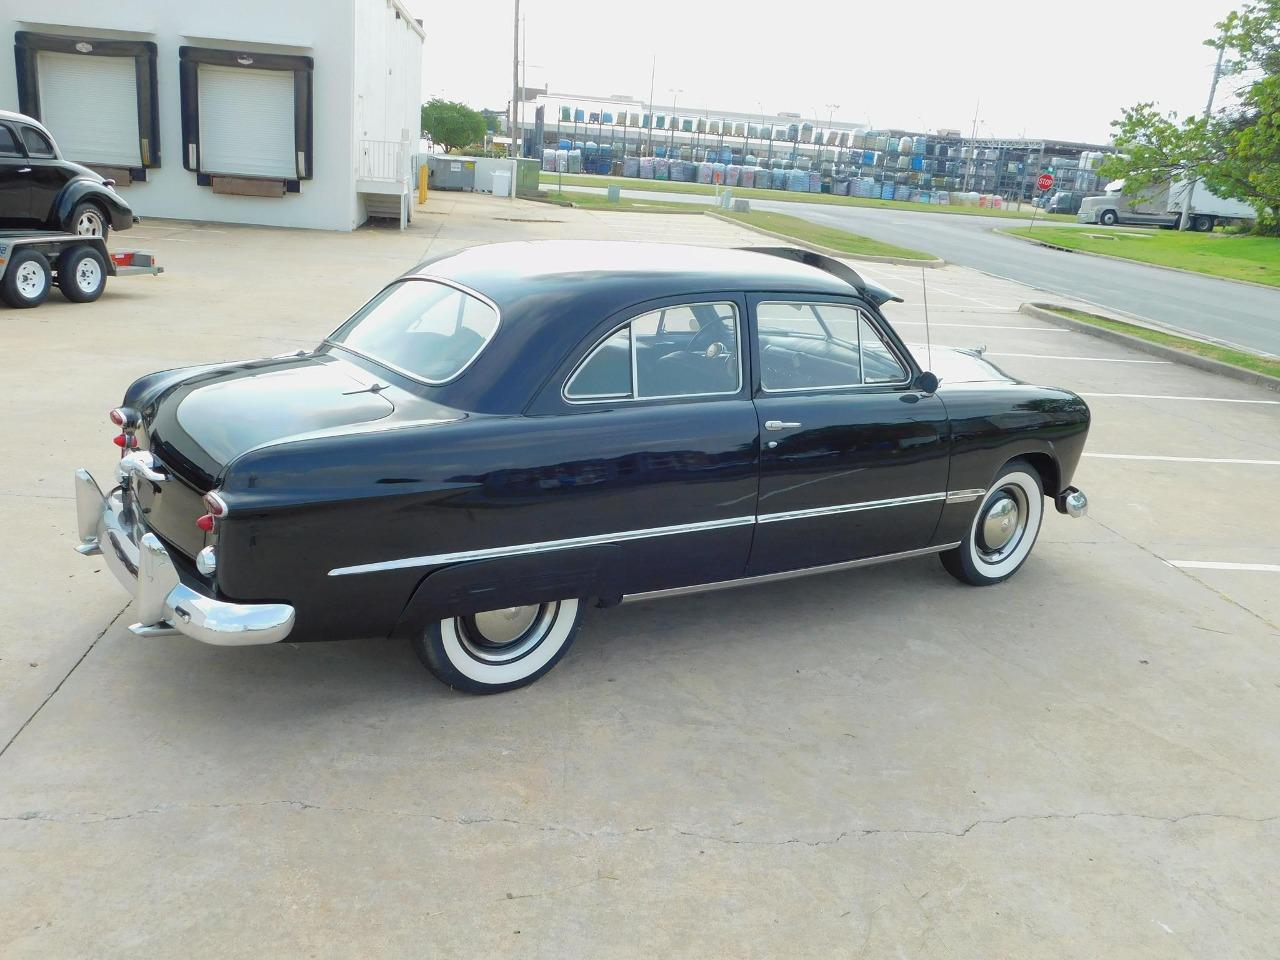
165	605
1072	502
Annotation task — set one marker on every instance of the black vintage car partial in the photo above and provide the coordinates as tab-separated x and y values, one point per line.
41	191
510	432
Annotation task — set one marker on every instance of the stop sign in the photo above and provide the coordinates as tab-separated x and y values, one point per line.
1045	181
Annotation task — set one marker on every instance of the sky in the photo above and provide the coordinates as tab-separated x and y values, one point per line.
1060	70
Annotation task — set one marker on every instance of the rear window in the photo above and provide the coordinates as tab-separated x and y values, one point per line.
428	330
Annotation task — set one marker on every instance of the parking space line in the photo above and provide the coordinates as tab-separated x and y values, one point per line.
1139	456
984	326
1041	356
1161	396
1222	565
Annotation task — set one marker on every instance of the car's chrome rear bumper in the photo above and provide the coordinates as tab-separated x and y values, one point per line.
165	605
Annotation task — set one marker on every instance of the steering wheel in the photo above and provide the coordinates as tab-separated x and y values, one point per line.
709	341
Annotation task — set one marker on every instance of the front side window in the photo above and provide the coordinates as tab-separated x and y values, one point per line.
428	330
685	351
38	144
821	346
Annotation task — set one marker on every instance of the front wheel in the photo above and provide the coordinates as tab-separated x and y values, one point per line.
500	649
1003	531
1108	218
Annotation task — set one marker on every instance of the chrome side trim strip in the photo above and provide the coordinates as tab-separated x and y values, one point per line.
787	574
490	553
965	496
547	546
850	507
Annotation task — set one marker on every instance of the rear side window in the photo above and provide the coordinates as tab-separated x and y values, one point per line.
428	330
687	351
8	145
38	144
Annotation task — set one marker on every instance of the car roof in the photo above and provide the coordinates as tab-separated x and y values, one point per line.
621	272
11	116
551	294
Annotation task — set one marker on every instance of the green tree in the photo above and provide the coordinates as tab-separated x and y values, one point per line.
452	125
1236	149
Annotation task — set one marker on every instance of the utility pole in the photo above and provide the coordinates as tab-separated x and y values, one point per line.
1184	222
973	135
515	83
653	68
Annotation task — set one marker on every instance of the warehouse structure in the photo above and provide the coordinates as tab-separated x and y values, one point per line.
624	136
294	113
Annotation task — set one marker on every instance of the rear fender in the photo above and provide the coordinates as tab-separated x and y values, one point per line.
468	588
84	189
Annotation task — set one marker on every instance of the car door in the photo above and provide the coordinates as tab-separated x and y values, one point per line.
15	180
48	176
651	436
853	460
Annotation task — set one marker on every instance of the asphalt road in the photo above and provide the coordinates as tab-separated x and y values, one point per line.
1238	314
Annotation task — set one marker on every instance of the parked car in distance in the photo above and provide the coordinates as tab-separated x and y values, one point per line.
510	432
39	190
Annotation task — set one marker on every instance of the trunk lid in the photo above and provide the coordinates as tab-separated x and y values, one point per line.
199	424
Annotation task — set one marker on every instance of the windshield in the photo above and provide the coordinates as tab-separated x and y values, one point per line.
425	329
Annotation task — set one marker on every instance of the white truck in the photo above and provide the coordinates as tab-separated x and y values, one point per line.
1163	207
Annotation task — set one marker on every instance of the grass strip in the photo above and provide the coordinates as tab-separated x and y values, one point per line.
1230	256
1237	358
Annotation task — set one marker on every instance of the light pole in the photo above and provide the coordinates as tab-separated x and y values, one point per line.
515	83
1184	222
671	139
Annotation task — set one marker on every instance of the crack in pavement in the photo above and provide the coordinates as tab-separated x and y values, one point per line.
90	818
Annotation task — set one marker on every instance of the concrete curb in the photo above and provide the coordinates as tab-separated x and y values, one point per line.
1142	263
1217	367
828	251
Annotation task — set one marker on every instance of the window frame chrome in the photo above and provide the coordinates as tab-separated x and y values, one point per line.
738	326
863	314
417	377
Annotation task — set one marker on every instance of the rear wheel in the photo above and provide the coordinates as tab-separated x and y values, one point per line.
1202	224
499	649
1003	530
82	274
88	220
26	280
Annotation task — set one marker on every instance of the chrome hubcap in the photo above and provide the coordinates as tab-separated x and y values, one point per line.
31	280
88	275
498	627
1001	524
506	634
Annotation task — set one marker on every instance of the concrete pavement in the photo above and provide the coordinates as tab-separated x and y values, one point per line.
1078	763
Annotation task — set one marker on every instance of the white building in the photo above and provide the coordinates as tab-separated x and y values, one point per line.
298	113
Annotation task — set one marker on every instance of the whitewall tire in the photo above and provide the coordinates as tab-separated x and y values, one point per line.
1004	528
499	649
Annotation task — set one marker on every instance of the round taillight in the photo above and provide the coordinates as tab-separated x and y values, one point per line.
117	417
216	506
205	523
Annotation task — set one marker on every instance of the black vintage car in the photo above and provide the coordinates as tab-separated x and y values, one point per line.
509	432
41	191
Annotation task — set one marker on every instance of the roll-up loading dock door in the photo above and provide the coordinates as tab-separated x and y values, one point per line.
247	122
90	104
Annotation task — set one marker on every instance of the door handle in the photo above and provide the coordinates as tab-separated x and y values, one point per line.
781	425
25	170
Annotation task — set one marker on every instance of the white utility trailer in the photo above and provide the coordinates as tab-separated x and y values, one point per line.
33	261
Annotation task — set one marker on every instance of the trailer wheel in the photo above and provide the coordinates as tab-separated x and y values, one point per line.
26	281
82	274
1108	218
1202	224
